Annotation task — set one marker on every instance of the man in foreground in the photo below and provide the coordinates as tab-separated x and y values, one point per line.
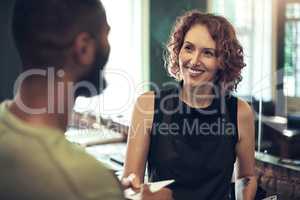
63	47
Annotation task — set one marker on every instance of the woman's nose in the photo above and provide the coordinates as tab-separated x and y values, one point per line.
196	58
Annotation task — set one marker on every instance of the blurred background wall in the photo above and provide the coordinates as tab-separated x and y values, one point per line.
9	60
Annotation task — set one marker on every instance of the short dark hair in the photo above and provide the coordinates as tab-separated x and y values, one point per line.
44	30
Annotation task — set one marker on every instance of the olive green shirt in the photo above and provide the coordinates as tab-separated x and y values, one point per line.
39	163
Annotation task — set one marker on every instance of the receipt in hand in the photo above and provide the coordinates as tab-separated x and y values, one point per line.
153	187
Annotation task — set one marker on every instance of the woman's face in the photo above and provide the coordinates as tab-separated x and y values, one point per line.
197	57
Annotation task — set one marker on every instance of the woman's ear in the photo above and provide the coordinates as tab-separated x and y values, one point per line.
84	49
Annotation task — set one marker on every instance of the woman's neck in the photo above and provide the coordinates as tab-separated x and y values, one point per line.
198	97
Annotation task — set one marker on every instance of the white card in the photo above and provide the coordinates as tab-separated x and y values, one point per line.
274	197
156	186
153	187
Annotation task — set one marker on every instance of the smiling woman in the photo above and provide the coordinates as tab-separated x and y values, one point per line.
195	132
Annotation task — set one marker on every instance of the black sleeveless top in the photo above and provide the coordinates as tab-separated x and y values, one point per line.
196	147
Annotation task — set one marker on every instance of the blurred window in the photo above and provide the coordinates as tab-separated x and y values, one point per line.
292	50
253	21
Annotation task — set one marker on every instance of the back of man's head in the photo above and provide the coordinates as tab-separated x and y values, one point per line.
44	30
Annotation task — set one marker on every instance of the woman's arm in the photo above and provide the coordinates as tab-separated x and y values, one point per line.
246	182
139	139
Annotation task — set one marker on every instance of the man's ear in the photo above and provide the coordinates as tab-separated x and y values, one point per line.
84	49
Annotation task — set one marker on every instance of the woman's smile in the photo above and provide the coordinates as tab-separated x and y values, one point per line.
194	71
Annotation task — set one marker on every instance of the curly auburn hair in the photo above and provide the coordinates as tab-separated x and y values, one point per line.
230	53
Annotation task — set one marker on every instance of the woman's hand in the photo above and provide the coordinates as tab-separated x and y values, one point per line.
131	181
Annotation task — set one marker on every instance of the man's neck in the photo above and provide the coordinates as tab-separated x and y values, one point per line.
39	104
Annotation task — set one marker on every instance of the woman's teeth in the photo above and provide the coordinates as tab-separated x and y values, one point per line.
195	71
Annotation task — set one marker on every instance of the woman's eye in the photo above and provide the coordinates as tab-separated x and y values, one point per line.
187	47
209	53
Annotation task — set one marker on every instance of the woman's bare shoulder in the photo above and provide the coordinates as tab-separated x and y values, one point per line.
144	106
245	119
244	110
